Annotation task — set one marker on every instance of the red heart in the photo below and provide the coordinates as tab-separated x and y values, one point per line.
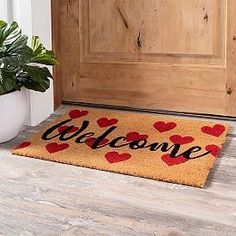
134	136
216	130
72	130
55	147
163	127
23	145
177	139
104	122
90	141
77	114
171	161
113	157
215	150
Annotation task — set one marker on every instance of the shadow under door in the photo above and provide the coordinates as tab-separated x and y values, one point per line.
175	55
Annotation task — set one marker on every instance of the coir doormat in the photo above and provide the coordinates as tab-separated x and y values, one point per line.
151	146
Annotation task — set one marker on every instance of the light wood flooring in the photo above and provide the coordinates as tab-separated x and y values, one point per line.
45	198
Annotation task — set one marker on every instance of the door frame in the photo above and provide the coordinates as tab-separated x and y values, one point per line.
58	92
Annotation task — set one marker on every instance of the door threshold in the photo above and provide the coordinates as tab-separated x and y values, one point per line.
155	111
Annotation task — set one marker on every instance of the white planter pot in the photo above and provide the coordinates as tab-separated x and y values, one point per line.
13	111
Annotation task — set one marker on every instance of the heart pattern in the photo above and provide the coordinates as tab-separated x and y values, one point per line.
149	146
22	145
214	149
217	130
171	161
71	130
134	136
55	147
105	122
74	114
90	141
162	127
114	157
177	139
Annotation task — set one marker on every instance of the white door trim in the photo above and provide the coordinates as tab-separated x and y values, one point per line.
34	17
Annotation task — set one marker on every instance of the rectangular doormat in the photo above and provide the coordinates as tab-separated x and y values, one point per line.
139	144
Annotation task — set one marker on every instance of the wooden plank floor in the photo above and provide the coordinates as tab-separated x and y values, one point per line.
45	198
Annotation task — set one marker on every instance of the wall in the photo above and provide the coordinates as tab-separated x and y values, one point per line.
34	17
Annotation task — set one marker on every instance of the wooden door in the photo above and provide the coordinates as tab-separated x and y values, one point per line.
176	55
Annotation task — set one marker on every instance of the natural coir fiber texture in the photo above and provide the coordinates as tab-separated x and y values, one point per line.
150	146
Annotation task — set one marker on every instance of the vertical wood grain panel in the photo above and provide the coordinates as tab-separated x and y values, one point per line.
70	46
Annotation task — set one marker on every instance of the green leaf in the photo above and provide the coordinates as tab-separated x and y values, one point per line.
2	90
41	54
12	37
19	44
19	58
46	72
45	59
37	78
13	27
17	61
11	30
26	54
3	24
36	73
36	86
37	46
8	80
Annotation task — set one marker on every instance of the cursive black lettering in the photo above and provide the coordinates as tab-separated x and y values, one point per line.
84	125
101	137
138	144
117	142
191	150
164	147
113	143
46	134
84	137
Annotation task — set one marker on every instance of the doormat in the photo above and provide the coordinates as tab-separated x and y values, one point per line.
139	144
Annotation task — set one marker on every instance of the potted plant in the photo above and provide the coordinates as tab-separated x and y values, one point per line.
20	68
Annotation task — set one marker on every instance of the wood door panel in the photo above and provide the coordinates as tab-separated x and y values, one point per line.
127	85
186	60
163	98
153	30
190	31
130	77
